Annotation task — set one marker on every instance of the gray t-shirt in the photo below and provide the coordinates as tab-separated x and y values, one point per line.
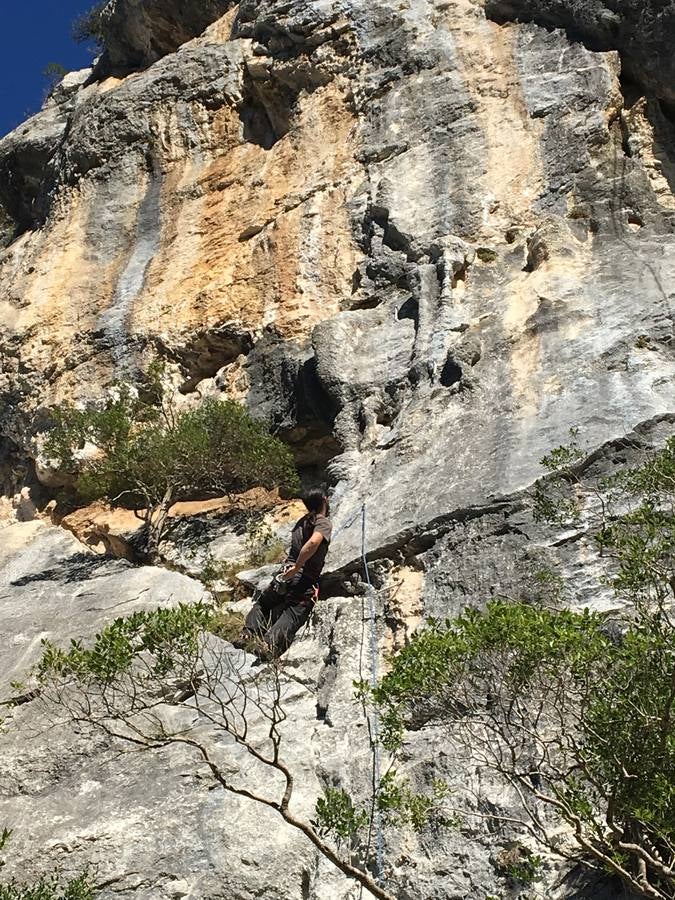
303	529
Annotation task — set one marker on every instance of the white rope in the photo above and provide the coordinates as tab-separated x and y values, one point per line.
374	714
374	718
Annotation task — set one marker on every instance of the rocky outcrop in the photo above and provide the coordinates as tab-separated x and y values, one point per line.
155	825
137	33
641	30
422	241
51	588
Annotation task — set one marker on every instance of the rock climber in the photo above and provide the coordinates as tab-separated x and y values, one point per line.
285	606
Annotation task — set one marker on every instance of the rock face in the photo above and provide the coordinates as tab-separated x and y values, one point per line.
421	240
642	31
139	32
51	588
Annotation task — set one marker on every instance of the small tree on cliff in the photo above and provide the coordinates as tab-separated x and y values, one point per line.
576	711
87	27
160	679
145	455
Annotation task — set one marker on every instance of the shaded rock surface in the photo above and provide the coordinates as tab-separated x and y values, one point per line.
137	33
421	240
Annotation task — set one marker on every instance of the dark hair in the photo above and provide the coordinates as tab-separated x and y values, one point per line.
314	500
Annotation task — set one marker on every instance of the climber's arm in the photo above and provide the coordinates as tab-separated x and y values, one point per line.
307	552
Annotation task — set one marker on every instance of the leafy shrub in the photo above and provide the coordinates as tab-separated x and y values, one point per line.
227	624
216	447
263	546
54	73
403	806
519	865
149	455
338	817
126	679
49	888
88	26
576	709
169	637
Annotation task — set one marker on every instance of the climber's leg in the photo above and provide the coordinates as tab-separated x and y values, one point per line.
265	612
280	636
294	614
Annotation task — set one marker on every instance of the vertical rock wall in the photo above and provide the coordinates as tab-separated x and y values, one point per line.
422	240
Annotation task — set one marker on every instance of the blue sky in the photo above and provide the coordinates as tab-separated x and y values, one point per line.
35	33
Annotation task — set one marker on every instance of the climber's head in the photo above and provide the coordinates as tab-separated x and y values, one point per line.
316	502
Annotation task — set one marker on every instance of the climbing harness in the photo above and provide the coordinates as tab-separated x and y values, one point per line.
279	584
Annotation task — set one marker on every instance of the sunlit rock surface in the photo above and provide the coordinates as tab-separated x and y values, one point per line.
422	240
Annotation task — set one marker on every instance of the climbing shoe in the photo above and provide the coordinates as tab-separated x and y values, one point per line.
246	641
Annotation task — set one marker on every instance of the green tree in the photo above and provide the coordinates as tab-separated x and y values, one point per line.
158	679
139	673
575	710
54	73
88	27
148	455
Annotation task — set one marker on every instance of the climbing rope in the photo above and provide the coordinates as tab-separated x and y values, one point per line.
349	522
373	715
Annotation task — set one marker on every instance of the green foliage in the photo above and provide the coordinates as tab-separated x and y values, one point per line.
628	733
168	639
227	624
620	696
520	865
49	888
263	546
54	73
150	455
217	570
551	587
422	679
576	707
486	254
338	817
403	806
555	500
631	513
88	26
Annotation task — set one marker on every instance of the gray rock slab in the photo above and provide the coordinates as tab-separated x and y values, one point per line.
53	588
643	30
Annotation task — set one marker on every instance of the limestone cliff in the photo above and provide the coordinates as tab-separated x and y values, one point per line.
421	239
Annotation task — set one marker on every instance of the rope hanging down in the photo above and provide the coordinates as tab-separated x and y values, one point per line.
374	718
374	714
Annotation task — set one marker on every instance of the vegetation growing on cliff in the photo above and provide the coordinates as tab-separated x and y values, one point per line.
49	887
159	679
575	710
88	26
145	454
